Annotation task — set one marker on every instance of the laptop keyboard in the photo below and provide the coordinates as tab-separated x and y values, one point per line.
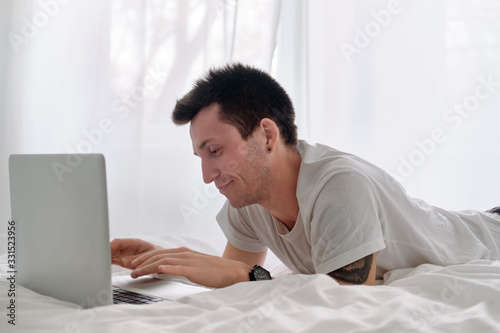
122	296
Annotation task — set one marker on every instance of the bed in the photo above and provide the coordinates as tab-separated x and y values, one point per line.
428	298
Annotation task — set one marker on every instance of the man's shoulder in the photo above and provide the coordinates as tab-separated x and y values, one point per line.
326	170
319	154
320	161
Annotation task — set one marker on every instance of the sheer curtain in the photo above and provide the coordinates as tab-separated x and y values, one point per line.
412	86
53	78
103	76
170	44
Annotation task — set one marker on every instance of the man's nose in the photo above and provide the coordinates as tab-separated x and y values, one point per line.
209	171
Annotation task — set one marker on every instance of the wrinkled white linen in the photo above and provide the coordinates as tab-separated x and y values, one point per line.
429	298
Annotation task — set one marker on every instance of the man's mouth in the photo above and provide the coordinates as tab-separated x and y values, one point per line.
223	188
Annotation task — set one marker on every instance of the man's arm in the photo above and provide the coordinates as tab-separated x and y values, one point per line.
250	258
361	271
208	270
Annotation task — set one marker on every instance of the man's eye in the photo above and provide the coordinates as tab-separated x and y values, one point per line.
215	151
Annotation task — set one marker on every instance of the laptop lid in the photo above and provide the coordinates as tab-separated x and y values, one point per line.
59	204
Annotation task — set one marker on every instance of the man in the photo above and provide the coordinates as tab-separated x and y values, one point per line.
321	211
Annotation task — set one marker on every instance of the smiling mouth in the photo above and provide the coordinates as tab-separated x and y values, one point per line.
223	188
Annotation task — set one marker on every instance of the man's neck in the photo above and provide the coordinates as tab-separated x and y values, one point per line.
282	201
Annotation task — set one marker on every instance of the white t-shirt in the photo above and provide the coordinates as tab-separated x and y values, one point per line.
348	209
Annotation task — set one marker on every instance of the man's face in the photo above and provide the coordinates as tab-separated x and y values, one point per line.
240	169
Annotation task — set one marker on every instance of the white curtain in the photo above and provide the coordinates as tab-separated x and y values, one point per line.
103	76
412	86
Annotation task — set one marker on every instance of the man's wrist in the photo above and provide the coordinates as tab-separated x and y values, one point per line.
245	273
259	274
242	273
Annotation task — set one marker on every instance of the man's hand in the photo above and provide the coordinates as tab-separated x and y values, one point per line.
200	268
124	251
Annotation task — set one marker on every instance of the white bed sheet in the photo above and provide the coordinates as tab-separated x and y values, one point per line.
429	298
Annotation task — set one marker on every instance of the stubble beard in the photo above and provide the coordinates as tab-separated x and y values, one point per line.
258	179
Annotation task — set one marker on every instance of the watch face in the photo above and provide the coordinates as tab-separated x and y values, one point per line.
261	274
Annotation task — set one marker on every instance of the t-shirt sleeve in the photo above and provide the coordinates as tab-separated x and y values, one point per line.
236	226
345	226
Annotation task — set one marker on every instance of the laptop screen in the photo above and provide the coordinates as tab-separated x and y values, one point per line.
59	205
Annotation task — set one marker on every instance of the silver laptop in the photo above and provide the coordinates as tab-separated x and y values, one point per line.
59	205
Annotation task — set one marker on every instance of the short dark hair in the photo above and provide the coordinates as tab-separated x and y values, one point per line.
246	95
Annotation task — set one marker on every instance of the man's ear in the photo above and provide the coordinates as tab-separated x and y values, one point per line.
271	132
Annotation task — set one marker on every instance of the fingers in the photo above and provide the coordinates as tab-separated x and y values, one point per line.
155	265
125	261
177	270
208	270
141	259
124	251
124	246
150	262
121	244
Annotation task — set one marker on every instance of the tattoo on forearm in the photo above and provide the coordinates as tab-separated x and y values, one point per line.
355	273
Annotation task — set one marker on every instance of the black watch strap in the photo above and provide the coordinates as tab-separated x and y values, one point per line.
258	274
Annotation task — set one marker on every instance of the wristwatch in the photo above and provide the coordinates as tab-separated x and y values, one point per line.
258	274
